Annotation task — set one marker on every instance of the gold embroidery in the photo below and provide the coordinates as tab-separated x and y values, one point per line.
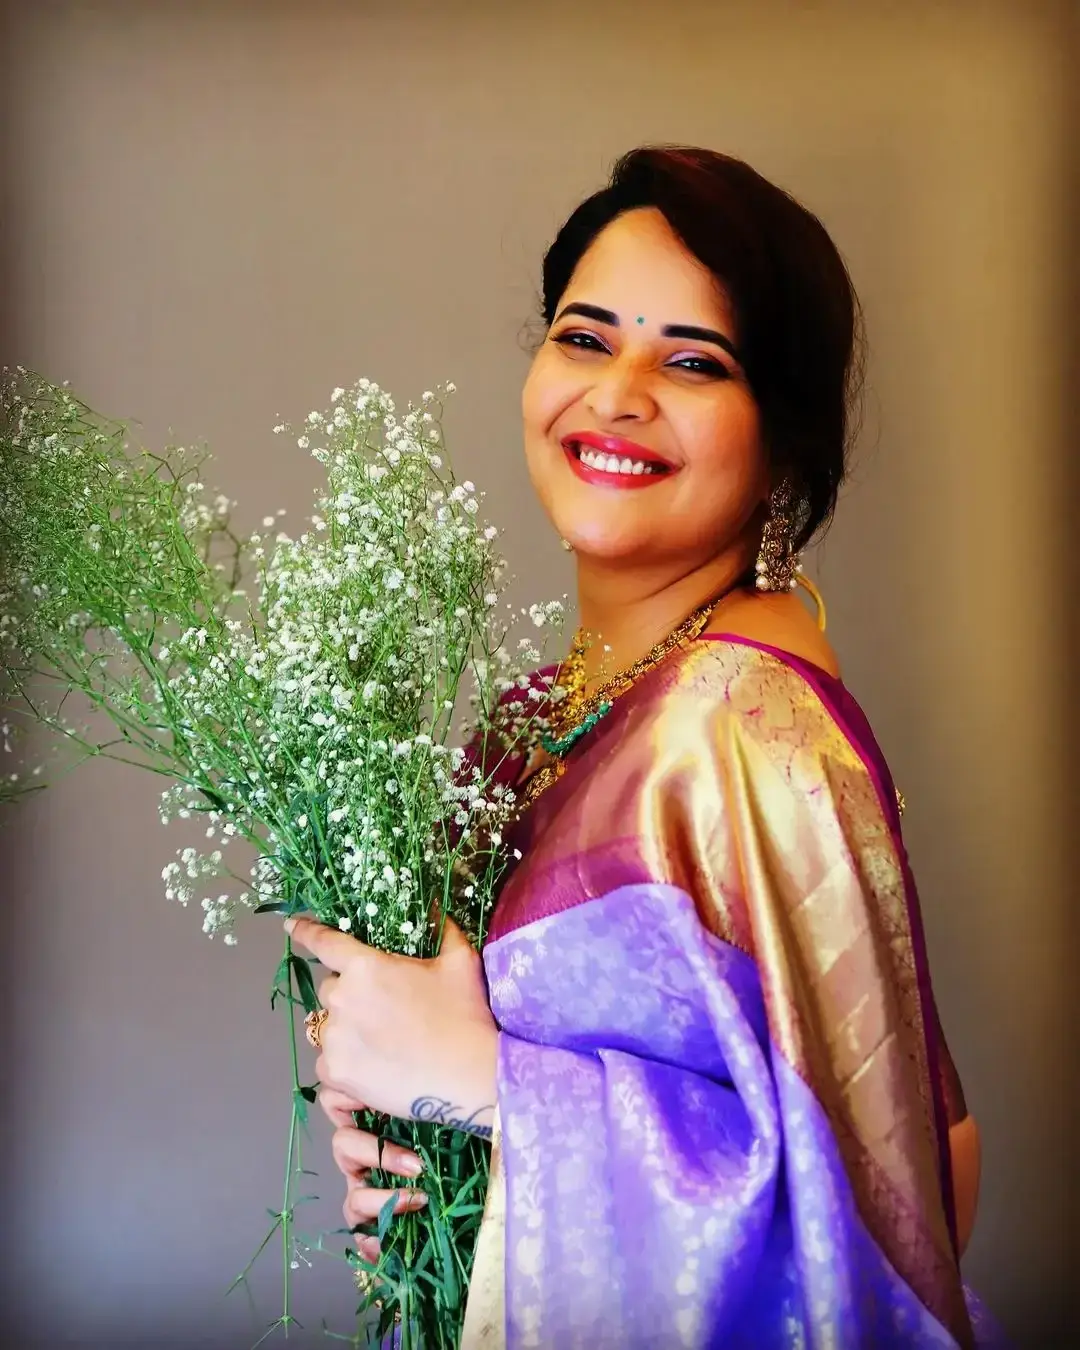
725	775
485	1311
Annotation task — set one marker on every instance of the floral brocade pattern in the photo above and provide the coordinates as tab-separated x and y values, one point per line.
725	773
670	1181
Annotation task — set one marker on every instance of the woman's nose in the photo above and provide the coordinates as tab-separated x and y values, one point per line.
620	390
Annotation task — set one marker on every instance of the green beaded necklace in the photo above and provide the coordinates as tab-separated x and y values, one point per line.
577	714
562	745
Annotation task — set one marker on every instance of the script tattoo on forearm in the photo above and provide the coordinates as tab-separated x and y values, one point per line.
441	1111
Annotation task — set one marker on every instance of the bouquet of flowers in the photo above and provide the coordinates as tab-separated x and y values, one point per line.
313	720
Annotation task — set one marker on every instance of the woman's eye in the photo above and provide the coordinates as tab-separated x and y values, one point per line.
703	365
586	342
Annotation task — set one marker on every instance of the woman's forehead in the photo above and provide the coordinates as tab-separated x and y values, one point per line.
638	267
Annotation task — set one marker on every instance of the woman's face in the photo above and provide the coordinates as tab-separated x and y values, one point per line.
641	435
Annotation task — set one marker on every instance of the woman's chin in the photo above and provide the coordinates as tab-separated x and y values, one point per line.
604	545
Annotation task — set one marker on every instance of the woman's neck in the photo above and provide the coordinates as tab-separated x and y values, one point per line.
626	613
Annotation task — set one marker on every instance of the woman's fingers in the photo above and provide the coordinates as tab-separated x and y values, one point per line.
357	1151
364	1204
339	1107
335	949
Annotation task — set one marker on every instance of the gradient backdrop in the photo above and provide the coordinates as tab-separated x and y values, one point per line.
212	213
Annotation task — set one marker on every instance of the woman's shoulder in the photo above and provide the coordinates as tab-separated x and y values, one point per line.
779	622
749	691
757	733
769	689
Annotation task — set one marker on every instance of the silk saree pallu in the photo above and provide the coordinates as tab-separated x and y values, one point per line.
723	1096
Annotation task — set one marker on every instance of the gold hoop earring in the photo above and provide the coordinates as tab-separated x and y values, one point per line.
818	599
777	565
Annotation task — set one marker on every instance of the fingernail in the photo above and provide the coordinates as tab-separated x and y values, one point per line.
290	924
410	1165
368	1248
414	1200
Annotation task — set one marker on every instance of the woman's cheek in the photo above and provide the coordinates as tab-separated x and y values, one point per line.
539	466
538	396
728	450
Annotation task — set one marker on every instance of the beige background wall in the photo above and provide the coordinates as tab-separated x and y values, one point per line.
213	213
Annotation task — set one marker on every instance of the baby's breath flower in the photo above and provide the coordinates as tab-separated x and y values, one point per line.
298	688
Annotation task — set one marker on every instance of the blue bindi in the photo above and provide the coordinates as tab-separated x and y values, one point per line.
641	318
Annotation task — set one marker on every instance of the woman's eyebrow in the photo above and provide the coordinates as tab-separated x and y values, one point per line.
695	334
675	330
607	316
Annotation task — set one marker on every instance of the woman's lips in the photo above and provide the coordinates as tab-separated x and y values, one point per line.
610	461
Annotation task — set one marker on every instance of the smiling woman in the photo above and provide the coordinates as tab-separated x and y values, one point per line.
724	1109
605	397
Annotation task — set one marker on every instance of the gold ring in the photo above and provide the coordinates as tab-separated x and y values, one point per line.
313	1025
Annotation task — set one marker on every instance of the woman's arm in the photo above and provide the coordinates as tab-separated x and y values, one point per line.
405	1037
966	1152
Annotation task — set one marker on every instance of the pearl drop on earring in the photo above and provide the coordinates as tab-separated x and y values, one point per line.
567	545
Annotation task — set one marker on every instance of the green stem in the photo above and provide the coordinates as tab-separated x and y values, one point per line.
294	1122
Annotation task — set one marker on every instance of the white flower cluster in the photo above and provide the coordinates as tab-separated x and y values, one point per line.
217	913
313	719
300	693
334	709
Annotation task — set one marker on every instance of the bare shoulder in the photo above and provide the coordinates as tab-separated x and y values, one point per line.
775	620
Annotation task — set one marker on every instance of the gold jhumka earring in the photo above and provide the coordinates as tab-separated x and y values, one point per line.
779	566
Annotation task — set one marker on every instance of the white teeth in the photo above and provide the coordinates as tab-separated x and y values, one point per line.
594	459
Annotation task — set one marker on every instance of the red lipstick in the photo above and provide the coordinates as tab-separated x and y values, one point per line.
592	458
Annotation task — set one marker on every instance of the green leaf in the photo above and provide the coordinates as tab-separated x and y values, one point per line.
304	983
420	1264
300	1106
273	907
451	1286
285	1320
457	1211
386	1215
281	977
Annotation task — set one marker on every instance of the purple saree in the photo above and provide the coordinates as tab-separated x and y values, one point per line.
723	1096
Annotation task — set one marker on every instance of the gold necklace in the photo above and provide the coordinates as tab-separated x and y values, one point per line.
578	712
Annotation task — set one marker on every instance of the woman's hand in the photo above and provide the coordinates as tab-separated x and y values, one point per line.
406	1037
356	1153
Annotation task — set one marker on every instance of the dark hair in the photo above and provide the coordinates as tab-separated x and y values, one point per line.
799	330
